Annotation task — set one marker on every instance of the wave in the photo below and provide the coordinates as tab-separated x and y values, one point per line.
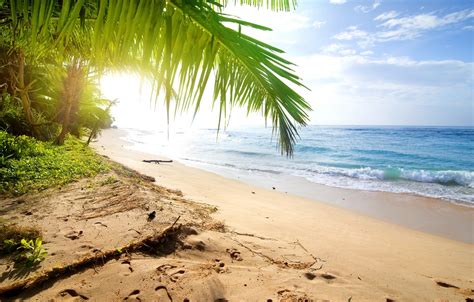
461	178
309	149
246	153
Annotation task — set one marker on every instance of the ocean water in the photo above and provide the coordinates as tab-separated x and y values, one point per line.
428	161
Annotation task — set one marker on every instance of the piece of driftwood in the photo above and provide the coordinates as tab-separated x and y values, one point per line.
88	261
156	161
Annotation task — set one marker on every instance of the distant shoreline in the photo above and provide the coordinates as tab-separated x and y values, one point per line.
429	162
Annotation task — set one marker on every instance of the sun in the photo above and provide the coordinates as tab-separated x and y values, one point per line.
136	107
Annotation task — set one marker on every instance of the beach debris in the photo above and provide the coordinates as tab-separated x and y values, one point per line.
156	161
253	192
273	188
151	216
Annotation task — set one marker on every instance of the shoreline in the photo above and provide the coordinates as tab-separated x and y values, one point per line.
427	214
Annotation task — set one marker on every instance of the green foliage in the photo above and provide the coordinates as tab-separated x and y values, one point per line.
31	252
26	253
29	165
11	116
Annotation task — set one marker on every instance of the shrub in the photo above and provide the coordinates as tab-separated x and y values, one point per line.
28	165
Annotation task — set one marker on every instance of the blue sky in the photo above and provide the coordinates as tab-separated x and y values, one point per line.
367	62
378	62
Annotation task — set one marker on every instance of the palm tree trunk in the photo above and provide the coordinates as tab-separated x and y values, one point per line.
22	88
71	95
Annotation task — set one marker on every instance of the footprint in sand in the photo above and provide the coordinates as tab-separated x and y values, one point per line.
72	293
234	254
446	285
129	263
174	276
310	276
463	291
165	267
219	266
172	272
328	277
73	235
133	296
165	289
286	295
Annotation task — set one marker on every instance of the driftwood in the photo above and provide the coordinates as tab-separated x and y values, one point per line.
89	261
156	161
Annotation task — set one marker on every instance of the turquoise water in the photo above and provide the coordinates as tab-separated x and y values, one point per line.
429	161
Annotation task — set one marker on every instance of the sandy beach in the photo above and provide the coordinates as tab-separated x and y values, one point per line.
369	258
169	232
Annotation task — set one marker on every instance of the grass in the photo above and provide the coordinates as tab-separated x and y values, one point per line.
28	165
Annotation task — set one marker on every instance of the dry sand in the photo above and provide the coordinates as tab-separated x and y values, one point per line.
236	242
370	259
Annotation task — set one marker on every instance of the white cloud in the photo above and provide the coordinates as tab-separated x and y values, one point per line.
367	53
367	8
387	15
337	1
468	27
318	24
351	33
402	28
411	27
359	89
339	49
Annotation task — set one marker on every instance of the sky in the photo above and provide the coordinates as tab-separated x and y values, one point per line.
373	62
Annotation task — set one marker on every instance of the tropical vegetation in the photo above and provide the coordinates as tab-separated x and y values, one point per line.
29	165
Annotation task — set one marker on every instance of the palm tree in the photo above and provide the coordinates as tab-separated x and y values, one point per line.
176	43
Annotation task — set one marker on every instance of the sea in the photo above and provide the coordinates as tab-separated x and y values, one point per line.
429	161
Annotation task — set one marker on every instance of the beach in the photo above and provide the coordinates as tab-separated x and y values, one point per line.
366	257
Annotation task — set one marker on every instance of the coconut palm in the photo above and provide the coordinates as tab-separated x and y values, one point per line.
179	44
